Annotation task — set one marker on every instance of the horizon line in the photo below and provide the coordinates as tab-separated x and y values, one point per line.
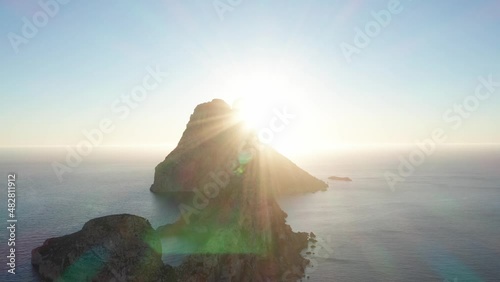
333	146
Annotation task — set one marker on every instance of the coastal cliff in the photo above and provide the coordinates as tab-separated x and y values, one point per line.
112	248
244	235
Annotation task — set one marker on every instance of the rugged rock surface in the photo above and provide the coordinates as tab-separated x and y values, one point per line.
215	142
242	234
111	248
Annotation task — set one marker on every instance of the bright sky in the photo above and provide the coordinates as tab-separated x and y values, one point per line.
70	74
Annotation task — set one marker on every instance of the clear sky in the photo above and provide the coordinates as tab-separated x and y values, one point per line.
64	77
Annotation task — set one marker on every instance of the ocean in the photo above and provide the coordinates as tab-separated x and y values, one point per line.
442	223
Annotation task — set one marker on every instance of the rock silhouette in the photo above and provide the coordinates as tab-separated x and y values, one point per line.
111	248
217	145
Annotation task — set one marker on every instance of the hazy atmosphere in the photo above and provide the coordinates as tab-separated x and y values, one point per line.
250	140
84	63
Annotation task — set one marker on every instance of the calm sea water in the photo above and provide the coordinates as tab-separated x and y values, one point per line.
441	224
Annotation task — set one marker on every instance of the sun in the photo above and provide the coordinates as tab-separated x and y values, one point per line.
254	93
261	91
247	111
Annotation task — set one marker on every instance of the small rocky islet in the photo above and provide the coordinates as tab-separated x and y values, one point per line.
340	178
226	184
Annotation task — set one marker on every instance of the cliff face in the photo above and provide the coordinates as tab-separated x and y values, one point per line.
244	236
111	248
215	142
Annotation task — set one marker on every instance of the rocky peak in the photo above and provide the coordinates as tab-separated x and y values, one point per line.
214	140
214	108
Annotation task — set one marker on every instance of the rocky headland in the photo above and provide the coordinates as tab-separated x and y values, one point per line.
112	248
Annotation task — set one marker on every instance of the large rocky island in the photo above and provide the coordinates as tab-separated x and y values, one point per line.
216	144
225	183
